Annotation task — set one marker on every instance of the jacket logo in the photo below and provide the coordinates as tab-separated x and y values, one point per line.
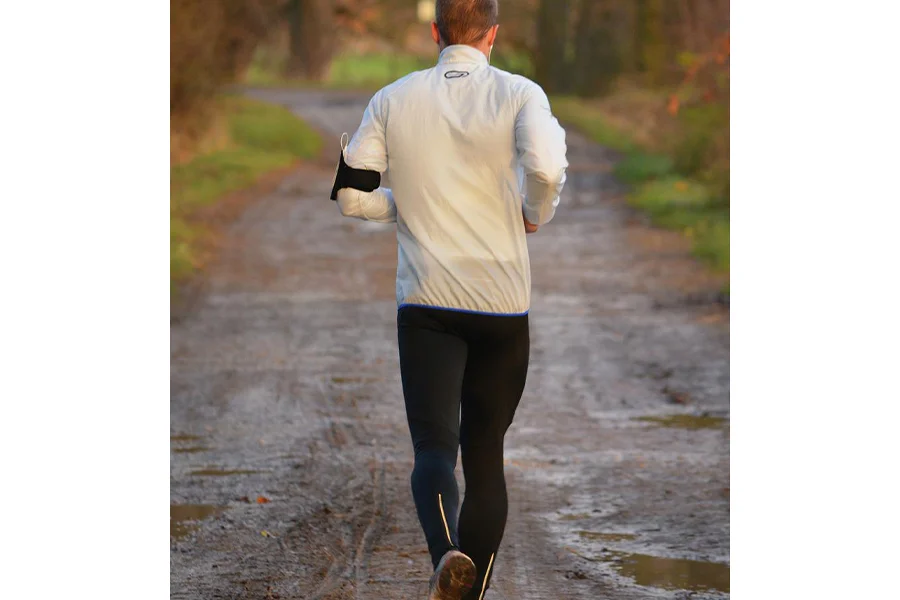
455	74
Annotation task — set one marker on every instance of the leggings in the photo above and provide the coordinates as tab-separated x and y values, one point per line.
463	376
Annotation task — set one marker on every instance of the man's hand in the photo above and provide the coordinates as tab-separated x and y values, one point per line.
529	226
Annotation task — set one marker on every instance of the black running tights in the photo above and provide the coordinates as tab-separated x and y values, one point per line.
463	375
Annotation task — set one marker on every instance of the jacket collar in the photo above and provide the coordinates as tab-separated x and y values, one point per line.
460	53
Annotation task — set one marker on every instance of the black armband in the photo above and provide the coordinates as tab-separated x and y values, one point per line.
358	179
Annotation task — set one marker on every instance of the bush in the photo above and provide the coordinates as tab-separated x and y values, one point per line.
692	208
639	166
698	136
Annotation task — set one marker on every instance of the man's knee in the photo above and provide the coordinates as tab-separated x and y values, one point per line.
436	453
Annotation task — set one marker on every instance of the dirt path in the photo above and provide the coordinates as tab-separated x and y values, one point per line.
285	384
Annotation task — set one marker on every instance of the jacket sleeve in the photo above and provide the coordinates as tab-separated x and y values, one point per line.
368	150
377	205
541	145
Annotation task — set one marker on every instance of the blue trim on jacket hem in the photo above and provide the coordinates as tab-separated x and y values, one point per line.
463	310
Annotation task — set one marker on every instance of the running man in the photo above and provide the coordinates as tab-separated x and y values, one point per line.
476	161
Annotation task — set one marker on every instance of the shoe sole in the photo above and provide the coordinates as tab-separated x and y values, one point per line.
455	577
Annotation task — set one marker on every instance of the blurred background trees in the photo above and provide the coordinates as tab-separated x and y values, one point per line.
649	78
212	43
583	47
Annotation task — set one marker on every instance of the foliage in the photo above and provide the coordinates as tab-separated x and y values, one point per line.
669	196
590	119
271	129
701	107
212	41
262	138
648	78
638	166
371	70
690	207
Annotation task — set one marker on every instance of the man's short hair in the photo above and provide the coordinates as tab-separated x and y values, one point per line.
465	21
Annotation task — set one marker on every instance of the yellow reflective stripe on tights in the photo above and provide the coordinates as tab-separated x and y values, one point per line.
444	517
486	574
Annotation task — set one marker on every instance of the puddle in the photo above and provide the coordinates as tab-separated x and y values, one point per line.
686	421
354	379
668	573
190	450
222	473
607	537
185	438
577	517
183	518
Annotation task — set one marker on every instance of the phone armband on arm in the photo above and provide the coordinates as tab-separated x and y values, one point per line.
358	179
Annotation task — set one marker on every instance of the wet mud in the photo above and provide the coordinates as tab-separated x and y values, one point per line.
222	472
184	518
683	421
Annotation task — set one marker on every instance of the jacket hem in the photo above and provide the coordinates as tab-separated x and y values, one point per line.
462	310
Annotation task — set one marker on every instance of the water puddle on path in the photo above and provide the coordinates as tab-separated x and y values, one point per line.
184	518
222	473
672	574
668	573
341	380
686	421
607	537
190	450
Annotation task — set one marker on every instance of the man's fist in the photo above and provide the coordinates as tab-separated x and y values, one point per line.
529	227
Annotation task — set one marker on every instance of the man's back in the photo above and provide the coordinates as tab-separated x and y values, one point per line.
458	140
476	160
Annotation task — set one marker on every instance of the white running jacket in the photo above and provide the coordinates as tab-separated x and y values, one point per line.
468	149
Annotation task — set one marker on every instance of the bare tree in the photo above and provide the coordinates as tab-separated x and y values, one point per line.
311	27
211	42
598	52
552	40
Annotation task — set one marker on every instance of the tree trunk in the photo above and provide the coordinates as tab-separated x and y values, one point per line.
551	68
311	28
597	47
652	39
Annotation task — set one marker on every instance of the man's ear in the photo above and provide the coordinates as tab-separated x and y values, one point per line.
435	33
492	34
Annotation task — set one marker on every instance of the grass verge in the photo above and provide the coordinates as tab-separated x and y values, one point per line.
672	200
347	72
261	138
369	71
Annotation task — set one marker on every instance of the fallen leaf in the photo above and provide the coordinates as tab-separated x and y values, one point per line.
676	397
244	499
262	500
673	106
681	186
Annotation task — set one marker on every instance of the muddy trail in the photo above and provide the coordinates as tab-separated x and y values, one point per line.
290	457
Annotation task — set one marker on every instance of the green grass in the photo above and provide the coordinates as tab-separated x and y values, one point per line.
672	201
347	71
637	167
688	206
366	71
373	70
590	121
263	138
